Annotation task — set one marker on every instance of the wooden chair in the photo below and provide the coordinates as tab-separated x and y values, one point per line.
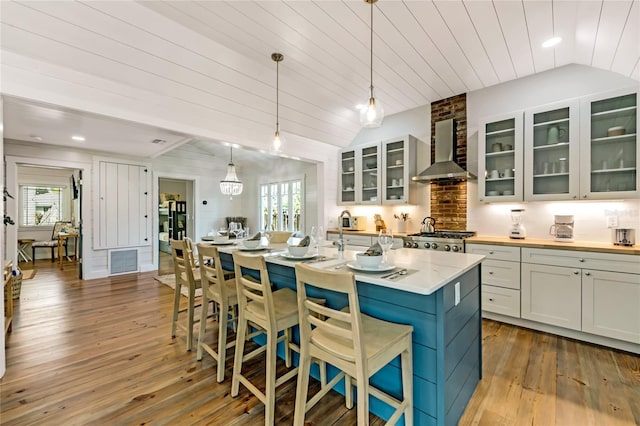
357	344
219	287
190	278
53	242
270	312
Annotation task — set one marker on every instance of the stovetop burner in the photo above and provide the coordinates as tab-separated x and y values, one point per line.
445	234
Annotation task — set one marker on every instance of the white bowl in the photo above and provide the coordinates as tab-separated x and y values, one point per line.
492	193
297	251
250	243
616	131
220	238
507	192
368	261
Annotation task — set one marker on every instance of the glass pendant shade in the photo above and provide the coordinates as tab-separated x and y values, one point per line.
231	185
278	140
372	114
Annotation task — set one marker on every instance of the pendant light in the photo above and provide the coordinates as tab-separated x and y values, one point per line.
372	114
278	139
231	185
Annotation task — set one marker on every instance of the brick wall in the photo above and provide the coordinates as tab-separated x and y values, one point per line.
449	198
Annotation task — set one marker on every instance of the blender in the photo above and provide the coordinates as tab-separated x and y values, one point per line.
517	230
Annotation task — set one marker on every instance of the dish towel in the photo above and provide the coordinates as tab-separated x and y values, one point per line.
374	250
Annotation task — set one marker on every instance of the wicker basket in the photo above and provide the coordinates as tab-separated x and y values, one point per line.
16	284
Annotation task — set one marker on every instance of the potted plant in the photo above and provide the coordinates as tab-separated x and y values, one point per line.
7	218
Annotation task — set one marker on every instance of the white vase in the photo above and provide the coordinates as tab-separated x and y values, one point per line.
402	226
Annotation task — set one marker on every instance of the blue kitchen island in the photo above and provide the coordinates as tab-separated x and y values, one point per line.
440	298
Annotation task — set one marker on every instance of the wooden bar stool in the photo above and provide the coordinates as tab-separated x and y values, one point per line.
219	287
190	278
356	343
271	312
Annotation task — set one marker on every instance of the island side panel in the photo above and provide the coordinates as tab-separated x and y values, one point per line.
462	343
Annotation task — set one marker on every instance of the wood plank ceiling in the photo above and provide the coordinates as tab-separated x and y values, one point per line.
215	55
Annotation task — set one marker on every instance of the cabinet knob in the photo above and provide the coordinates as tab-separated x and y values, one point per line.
576	272
588	274
584	196
490	272
490	299
575	196
491	252
581	260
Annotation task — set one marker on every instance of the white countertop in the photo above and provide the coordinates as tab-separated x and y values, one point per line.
428	270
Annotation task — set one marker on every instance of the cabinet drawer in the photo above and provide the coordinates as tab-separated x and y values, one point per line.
581	259
501	273
503	301
494	252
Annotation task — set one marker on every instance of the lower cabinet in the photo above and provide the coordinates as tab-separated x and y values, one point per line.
362	240
611	304
551	295
500	300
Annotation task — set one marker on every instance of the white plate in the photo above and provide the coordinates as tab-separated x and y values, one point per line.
243	248
379	268
288	255
221	243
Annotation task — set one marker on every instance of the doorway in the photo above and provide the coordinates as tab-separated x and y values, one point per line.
175	217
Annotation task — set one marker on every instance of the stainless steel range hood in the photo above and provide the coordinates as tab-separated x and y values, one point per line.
445	166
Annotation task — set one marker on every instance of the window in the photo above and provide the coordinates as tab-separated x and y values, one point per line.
40	205
281	206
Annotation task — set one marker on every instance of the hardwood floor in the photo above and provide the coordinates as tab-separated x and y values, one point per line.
100	352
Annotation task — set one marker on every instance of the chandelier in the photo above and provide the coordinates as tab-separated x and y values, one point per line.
372	114
278	139
231	185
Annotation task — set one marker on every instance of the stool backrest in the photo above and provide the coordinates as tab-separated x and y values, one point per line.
59	226
211	272
181	263
312	315
250	289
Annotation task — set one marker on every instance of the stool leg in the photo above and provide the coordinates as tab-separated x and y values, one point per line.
203	323
363	396
287	348
302	388
33	255
176	308
348	392
52	255
406	359
190	311
223	323
237	361
270	388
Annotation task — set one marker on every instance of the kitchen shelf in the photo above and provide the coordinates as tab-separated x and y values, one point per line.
619	138
500	153
500	132
502	179
546	175
625	169
548	123
551	146
613	111
395	150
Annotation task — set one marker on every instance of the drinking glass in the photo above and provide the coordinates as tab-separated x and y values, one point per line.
385	239
266	236
317	234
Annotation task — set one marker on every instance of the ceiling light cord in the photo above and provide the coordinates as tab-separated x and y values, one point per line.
277	138
372	113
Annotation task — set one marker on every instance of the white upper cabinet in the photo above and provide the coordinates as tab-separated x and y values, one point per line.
398	166
378	173
609	157
551	160
359	177
500	147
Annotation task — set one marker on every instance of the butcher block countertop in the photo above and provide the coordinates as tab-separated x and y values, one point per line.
550	244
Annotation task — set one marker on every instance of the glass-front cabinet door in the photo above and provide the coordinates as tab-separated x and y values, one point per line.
500	158
552	152
347	177
369	173
398	165
610	154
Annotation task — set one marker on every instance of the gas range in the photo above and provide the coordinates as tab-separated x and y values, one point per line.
444	240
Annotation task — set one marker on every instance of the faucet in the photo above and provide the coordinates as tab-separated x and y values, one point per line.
341	238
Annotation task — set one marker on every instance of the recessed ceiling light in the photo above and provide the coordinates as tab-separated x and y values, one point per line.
359	106
552	42
78	138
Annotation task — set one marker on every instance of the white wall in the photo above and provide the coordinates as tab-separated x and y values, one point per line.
567	82
416	122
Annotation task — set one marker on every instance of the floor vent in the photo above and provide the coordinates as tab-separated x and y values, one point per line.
123	262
